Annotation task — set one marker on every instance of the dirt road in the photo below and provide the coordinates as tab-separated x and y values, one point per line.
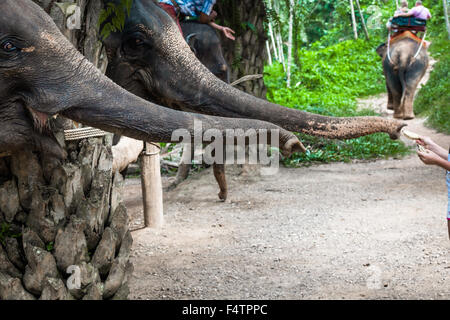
338	231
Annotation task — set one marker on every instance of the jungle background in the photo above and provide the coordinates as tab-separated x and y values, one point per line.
315	64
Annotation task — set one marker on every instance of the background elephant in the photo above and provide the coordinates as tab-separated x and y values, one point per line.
403	73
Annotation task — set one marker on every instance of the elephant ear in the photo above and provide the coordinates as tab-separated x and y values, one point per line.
381	49
191	40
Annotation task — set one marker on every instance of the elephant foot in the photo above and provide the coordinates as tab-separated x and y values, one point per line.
173	185
390	107
223	195
408	117
399	116
219	174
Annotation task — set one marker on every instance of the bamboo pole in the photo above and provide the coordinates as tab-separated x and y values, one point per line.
362	20
355	30
152	187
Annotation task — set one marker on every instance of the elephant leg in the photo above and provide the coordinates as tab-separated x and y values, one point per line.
412	79
407	103
183	168
395	91
390	104
219	174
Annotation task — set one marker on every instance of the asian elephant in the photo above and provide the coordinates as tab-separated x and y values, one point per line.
42	75
207	47
403	73
150	58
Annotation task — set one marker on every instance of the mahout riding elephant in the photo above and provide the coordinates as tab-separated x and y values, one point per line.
403	69
42	75
150	58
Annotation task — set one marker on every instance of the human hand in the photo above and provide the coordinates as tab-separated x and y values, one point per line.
428	157
213	15
228	33
425	142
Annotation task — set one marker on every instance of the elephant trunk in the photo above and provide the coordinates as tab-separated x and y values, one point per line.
224	100
205	93
105	105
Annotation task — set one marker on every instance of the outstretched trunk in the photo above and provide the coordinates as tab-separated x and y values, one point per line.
64	229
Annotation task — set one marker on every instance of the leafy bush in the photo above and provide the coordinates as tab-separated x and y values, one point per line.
328	82
433	99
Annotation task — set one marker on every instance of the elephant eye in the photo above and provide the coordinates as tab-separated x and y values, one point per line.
8	46
138	42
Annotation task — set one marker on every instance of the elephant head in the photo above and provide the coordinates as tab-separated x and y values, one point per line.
205	43
151	59
42	74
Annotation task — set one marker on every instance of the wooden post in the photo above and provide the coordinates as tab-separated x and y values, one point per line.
355	30
152	187
362	20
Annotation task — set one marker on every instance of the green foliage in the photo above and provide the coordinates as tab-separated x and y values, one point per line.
113	17
7	232
375	146
328	82
50	246
433	99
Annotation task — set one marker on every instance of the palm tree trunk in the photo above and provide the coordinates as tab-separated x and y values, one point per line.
247	54
64	228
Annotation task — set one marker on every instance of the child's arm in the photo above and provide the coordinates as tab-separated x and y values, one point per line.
430	157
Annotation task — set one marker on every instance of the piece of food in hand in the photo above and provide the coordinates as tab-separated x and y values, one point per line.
410	135
421	149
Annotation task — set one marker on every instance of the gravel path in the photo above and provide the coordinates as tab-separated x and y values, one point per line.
339	231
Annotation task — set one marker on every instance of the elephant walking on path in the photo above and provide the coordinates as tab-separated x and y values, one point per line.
403	69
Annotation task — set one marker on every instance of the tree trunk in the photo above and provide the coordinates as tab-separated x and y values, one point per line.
362	20
355	30
290	41
64	229
447	24
272	38
247	54
269	55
